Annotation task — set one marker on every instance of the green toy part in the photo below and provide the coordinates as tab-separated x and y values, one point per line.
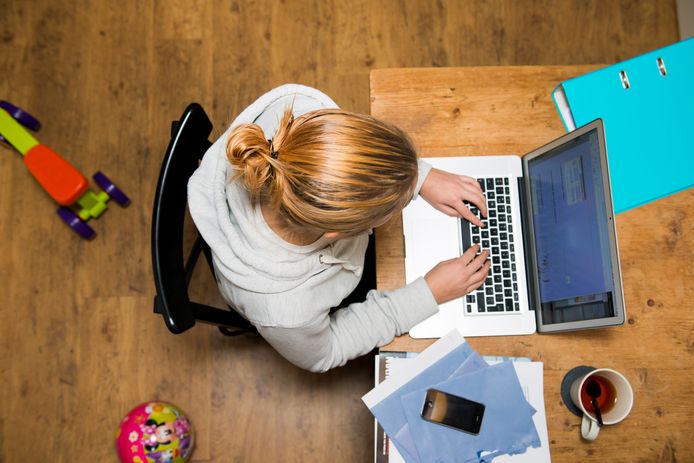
92	205
15	134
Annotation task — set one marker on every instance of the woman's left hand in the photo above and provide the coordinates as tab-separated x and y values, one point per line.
447	193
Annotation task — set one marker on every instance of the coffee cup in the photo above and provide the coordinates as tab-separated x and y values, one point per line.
613	394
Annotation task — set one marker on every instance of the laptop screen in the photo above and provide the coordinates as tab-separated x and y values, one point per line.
571	234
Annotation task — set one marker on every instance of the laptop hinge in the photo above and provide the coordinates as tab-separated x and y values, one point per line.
529	260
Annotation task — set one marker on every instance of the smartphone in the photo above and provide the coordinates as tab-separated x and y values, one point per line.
453	411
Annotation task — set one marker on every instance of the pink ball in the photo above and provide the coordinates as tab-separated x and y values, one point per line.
155	432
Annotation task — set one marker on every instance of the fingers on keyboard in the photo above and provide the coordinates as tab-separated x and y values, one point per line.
498	291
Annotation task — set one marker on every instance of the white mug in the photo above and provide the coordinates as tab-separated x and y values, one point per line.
623	400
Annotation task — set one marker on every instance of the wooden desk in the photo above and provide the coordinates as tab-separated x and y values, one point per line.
509	110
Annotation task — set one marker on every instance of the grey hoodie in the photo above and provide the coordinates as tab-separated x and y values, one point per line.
286	290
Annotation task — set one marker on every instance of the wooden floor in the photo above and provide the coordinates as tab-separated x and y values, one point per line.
79	345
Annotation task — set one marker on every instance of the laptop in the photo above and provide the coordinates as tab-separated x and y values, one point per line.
551	236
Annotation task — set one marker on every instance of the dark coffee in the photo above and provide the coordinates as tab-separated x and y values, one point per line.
607	398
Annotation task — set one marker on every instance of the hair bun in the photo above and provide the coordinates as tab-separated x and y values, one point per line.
249	152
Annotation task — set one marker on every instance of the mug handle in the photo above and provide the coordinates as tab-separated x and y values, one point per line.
589	428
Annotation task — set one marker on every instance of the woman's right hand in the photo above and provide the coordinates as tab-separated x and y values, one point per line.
455	278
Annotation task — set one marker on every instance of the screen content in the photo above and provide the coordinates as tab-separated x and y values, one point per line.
571	232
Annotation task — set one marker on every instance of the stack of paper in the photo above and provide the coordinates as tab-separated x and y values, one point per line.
510	425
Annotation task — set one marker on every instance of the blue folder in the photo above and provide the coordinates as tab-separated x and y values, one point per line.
389	411
507	425
647	106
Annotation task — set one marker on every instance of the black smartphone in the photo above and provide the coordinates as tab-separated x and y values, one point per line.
453	411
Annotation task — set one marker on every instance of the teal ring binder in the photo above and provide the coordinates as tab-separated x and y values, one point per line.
646	105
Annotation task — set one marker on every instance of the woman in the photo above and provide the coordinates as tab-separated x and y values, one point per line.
287	198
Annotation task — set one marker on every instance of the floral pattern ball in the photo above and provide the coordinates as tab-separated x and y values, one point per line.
155	432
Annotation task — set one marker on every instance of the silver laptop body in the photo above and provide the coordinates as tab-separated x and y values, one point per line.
555	265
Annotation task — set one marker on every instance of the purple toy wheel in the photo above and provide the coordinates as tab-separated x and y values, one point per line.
112	190
24	118
73	221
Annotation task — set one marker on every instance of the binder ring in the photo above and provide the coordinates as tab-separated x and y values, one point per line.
661	66
625	79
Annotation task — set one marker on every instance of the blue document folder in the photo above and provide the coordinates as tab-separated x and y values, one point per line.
390	413
507	425
448	364
647	106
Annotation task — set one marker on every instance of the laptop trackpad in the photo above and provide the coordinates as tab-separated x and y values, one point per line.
428	242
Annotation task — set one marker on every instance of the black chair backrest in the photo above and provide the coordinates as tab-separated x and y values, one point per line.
189	141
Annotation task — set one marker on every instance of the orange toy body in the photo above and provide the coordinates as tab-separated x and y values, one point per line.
59	178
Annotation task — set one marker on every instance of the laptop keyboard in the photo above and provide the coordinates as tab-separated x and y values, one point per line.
499	293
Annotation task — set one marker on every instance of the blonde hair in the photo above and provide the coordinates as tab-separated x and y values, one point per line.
327	170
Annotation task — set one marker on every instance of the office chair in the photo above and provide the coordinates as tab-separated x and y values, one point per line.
189	142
